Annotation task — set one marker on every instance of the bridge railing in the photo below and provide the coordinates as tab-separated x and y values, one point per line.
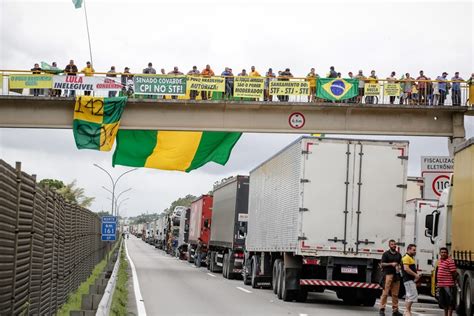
380	91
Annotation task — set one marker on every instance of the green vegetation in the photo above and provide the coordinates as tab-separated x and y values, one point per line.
69	191
120	298
74	300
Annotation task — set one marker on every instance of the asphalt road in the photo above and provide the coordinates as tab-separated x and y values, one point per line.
173	287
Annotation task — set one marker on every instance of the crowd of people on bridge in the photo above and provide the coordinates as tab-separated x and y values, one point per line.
416	90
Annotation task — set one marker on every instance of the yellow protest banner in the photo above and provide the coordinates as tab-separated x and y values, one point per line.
285	87
372	89
30	81
392	90
249	87
1	82
205	83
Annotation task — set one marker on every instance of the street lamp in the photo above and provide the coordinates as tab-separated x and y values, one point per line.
114	182
118	207
118	197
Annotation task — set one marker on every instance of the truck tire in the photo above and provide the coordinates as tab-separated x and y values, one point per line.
245	273
230	267
275	275
224	266
279	279
467	298
190	257
212	263
286	295
253	274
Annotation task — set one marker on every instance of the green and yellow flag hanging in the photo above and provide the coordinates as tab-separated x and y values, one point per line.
335	89
182	151
96	121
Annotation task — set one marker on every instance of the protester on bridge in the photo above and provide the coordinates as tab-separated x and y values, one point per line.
372	79
253	72
229	82
311	78
88	71
55	92
332	72
407	83
446	276
285	76
163	72
353	99
456	89
442	87
391	266
361	78
175	71
207	72
193	72
243	73
392	79
410	277
127	82
270	75
36	70
70	70
434	96
422	88
149	70
112	74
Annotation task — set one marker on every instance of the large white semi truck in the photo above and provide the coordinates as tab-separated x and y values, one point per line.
321	213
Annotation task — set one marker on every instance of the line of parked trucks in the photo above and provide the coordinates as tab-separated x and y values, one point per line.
318	215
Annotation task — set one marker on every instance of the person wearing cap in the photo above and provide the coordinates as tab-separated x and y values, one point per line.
442	87
127	82
270	75
149	70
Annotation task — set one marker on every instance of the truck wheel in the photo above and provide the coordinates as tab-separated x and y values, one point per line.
210	266
246	276
190	257
230	267
467	298
279	279
224	266
275	275
253	281
286	295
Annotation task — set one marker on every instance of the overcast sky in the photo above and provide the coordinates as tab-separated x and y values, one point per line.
401	36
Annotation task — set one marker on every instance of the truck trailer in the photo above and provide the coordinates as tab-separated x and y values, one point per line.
416	211
229	226
183	237
321	213
199	227
451	225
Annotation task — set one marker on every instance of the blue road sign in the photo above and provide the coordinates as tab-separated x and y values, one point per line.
109	228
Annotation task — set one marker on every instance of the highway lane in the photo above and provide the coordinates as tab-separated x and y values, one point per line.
173	287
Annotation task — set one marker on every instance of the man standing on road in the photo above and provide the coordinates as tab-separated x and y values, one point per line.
410	277
446	276
391	265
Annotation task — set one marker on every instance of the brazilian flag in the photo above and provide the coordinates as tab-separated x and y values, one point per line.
336	89
96	121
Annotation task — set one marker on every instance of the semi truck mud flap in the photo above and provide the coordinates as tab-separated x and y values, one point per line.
293	278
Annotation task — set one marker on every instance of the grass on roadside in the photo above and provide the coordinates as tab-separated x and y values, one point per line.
120	298
74	300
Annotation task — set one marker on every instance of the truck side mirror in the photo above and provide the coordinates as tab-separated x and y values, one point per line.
429	225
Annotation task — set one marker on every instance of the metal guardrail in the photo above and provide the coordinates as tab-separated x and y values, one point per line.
48	246
106	301
416	96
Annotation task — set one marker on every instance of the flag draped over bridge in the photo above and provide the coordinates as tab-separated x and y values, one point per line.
182	151
96	121
336	89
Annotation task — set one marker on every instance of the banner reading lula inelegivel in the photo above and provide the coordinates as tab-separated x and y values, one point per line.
96	121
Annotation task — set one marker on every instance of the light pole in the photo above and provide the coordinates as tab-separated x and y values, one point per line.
118	197
114	182
118	207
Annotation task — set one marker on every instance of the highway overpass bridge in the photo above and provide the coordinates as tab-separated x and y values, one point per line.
250	116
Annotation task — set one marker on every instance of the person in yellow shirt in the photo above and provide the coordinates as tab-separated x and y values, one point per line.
253	72
311	78
88	71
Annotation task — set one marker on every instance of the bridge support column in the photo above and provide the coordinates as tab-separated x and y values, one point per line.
459	133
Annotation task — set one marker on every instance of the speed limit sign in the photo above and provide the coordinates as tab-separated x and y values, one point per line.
435	183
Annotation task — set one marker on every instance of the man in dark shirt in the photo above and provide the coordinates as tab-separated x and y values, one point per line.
36	70
391	265
71	70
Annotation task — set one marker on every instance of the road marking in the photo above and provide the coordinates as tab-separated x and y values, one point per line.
243	290
136	287
303	314
212	275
